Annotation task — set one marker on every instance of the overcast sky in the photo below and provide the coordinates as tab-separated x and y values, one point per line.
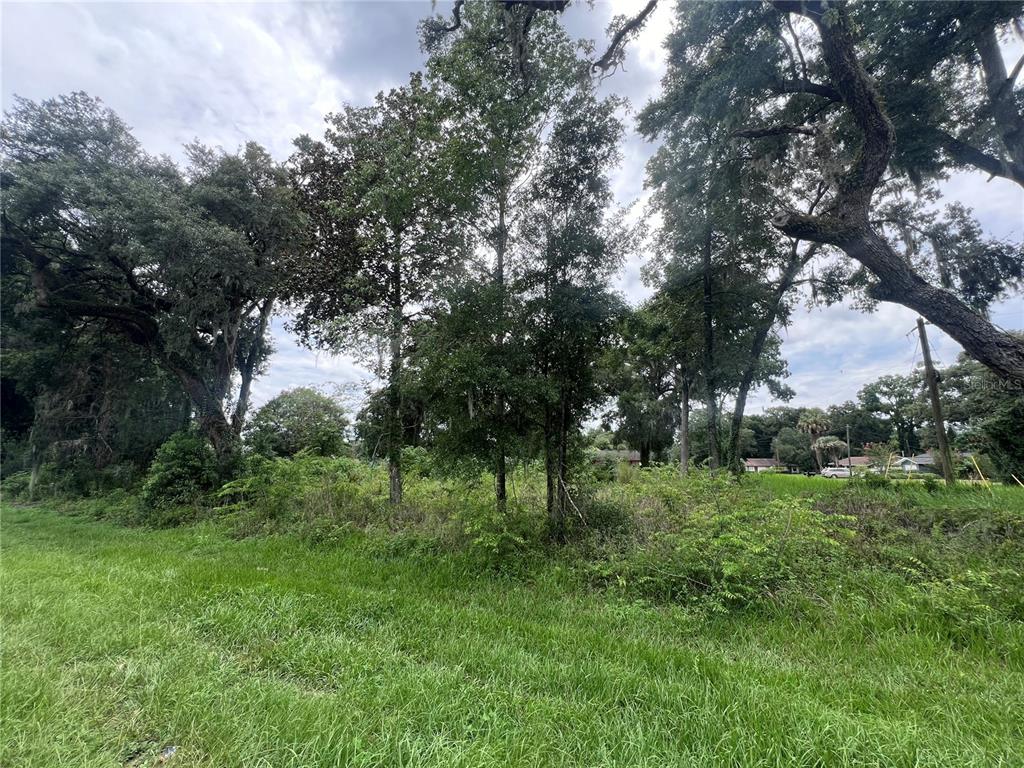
230	72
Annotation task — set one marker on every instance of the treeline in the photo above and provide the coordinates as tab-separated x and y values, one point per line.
891	416
459	234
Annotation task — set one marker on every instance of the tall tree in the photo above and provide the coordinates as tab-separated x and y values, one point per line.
643	374
183	265
801	93
900	399
572	251
503	90
814	423
379	188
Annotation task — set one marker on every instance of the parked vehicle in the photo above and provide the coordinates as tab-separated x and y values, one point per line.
835	472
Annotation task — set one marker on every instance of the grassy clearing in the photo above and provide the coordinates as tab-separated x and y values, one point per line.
273	652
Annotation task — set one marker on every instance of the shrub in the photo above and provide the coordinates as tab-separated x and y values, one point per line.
731	554
308	490
183	470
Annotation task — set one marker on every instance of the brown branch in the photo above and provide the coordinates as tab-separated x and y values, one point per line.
633	25
774	130
803	85
967	154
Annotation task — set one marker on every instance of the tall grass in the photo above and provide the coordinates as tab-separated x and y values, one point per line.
270	651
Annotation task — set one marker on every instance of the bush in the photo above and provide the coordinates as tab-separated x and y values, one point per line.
273	494
183	470
709	543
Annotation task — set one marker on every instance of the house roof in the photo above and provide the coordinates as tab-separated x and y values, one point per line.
855	461
920	459
761	462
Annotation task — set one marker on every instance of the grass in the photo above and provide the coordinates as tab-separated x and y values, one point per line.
118	643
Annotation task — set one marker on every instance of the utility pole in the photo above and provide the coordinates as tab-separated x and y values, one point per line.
849	452
932	380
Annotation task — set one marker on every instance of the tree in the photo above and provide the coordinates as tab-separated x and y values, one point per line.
184	266
808	111
899	398
864	426
502	95
792	447
300	419
988	414
714	227
571	254
379	186
831	447
643	376
814	423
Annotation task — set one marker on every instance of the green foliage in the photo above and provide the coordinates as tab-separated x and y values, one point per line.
709	543
184	469
308	490
300	419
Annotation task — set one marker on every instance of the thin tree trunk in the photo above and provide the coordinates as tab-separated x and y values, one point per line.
563	490
394	420
500	489
248	368
551	474
684	427
793	266
714	454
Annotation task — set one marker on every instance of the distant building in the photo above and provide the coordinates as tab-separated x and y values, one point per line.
762	465
855	461
924	462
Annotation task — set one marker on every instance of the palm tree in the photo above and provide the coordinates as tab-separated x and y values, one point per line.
831	446
814	422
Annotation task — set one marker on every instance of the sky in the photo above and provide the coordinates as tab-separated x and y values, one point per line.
226	73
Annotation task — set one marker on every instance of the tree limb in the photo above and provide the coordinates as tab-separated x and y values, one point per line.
609	58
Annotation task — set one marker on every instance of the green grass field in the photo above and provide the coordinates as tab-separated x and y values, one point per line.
119	643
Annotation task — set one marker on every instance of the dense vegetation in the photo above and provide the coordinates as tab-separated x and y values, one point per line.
785	620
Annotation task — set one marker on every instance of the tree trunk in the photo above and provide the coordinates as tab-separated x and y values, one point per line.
500	489
684	427
563	488
847	225
210	416
898	283
645	453
551	475
794	265
394	418
36	463
249	365
1001	99
710	384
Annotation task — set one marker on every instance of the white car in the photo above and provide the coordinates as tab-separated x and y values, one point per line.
835	472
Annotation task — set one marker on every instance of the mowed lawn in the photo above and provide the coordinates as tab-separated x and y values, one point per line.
119	643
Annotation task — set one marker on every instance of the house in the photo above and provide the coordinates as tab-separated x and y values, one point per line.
855	462
608	456
762	465
921	463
